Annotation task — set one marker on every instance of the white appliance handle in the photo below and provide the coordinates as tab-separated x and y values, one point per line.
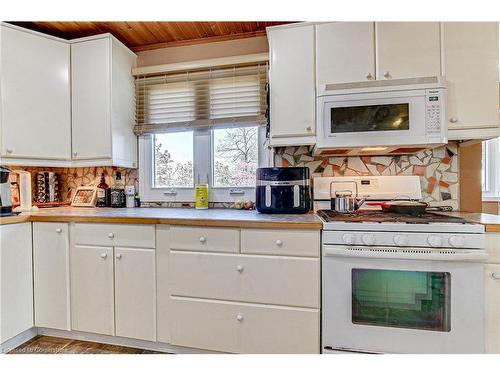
398	253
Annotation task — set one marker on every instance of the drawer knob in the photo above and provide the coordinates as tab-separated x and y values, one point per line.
369	76
495	275
75	154
118	256
279	243
453	120
203	239
58	230
239	269
239	318
103	255
387	75
9	151
111	235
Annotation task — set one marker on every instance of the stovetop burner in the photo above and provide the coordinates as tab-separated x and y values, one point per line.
383	217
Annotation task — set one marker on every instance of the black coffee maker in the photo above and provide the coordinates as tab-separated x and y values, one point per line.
5	200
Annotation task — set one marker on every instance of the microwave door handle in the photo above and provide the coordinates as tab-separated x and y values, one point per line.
296	196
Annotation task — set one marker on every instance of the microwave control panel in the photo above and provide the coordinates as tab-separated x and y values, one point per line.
433	113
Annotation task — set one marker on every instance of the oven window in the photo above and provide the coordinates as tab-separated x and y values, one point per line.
368	118
401	299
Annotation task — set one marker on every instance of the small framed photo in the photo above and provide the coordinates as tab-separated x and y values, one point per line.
85	196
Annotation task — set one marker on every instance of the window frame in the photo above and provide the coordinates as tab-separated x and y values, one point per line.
203	155
491	170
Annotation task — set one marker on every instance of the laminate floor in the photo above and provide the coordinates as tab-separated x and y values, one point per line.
57	345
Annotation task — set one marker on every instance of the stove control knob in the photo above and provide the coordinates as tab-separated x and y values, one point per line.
434	241
348	238
368	239
456	241
400	240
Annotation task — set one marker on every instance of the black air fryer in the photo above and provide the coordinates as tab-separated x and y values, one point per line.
283	191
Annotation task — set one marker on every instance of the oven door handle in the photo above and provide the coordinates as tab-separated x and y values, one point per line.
409	254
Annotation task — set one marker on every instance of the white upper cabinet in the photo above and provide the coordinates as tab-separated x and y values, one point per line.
103	102
36	120
470	62
344	52
407	49
292	81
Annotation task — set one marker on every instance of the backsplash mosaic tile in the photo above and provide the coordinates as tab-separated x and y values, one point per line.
71	178
437	168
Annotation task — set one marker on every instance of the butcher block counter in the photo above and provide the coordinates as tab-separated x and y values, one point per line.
180	216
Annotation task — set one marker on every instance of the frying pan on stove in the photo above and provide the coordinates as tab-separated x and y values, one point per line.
408	207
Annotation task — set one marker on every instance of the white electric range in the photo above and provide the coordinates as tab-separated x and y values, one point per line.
396	283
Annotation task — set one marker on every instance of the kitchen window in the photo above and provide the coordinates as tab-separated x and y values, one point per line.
491	169
201	127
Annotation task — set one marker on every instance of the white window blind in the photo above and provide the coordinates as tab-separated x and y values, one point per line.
229	95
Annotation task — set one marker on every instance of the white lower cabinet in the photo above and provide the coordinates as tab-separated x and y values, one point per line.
51	275
16	280
92	299
135	297
257	297
492	308
113	286
244	328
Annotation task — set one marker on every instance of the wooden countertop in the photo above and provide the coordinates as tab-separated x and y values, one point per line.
184	216
490	222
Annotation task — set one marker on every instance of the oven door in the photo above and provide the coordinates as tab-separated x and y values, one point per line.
373	119
399	305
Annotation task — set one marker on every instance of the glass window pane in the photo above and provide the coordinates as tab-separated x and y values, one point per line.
235	156
368	118
173	160
401	299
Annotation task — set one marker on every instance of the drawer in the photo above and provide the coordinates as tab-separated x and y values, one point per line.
281	242
126	235
244	328
248	278
493	247
222	240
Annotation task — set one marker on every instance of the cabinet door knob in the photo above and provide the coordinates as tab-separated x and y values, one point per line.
279	243
369	76
111	235
75	153
239	317
118	256
387	75
495	275
203	239
453	120
239	269
58	230
103	255
9	151
309	128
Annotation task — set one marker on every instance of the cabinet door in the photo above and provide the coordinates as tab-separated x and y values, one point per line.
345	52
470	60
492	308
407	49
292	81
92	302
135	297
16	281
36	121
51	275
91	99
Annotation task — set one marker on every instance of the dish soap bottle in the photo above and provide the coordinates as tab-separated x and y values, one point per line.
101	192
117	192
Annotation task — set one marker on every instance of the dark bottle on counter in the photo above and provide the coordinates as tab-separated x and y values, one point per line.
102	192
117	192
137	200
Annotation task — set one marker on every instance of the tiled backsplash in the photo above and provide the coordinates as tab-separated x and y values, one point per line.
437	168
71	178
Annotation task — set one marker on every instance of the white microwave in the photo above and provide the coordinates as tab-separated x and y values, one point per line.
381	117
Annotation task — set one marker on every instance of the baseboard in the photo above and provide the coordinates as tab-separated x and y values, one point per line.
18	340
122	341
